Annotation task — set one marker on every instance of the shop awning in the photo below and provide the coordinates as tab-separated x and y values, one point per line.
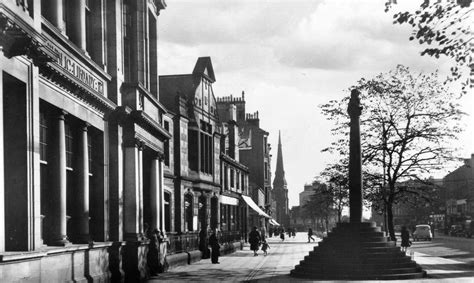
273	222
254	206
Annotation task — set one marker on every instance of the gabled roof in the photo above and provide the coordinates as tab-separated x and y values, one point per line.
173	85
204	67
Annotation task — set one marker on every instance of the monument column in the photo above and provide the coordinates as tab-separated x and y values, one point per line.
355	159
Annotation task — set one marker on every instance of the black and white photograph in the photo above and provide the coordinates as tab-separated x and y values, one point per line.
236	140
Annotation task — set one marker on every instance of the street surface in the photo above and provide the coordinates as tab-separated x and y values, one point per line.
283	256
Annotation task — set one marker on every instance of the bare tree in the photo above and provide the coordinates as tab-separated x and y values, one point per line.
408	126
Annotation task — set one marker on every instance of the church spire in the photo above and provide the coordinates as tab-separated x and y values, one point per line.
279	182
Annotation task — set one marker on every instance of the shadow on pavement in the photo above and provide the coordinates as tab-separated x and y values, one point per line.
464	255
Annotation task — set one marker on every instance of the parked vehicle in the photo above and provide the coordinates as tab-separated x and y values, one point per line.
470	229
456	231
422	231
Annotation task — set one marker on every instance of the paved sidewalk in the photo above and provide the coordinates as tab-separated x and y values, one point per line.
283	256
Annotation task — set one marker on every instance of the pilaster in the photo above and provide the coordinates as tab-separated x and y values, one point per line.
133	187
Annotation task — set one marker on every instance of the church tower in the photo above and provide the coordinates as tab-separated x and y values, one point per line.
280	191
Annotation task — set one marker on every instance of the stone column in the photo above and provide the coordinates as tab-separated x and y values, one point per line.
162	197
131	194
58	196
355	159
82	212
57	13
78	34
155	208
140	190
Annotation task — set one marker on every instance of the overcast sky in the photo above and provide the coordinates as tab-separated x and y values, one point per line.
289	56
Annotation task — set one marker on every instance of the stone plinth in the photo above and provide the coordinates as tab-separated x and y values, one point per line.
357	251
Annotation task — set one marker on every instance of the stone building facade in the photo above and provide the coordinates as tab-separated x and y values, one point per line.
96	153
83	166
254	152
208	179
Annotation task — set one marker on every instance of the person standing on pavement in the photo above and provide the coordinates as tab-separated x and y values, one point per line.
254	240
265	247
282	234
405	239
215	247
310	235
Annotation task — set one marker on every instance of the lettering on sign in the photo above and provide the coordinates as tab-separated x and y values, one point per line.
73	67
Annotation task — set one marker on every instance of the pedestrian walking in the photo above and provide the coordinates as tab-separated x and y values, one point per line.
254	240
204	242
282	234
265	247
215	247
310	235
405	239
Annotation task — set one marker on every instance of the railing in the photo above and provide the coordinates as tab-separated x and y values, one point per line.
183	242
190	241
230	236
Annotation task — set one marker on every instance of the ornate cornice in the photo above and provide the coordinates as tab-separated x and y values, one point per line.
62	80
234	162
17	38
148	123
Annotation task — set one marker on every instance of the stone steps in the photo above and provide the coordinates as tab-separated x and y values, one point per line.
375	264
367	260
357	251
345	276
358	270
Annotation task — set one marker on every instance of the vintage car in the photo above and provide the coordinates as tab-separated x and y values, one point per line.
456	231
422	232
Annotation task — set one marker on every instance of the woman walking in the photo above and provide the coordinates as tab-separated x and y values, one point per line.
405	239
254	240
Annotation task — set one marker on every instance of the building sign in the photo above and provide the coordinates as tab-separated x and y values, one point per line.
74	67
228	200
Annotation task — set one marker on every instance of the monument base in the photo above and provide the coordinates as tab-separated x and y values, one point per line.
357	251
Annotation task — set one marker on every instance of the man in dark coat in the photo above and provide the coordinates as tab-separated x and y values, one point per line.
254	240
310	235
215	247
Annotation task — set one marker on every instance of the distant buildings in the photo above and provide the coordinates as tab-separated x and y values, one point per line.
280	189
452	201
459	194
299	218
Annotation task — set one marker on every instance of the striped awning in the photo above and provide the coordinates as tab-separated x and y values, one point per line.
255	207
273	222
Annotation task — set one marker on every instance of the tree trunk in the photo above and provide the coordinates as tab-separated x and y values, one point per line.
327	224
390	221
